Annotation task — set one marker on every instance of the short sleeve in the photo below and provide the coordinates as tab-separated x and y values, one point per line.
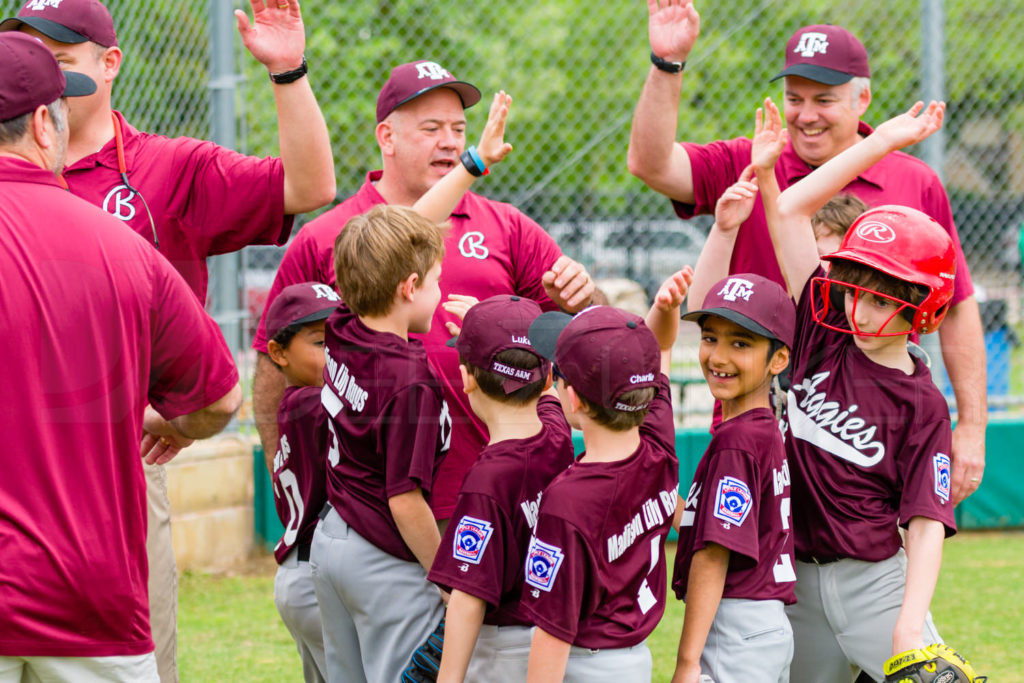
472	554
191	365
936	203
730	504
925	470
557	562
409	436
714	167
533	253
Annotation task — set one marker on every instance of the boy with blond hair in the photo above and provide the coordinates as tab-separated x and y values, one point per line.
389	429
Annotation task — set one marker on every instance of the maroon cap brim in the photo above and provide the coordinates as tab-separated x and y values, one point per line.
467	92
50	29
813	72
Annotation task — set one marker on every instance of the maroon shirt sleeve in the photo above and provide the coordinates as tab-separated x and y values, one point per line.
714	167
557	564
533	253
472	554
936	205
925	469
732	491
191	364
409	436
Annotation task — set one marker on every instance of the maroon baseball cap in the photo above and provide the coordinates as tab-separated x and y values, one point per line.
66	21
301	303
498	324
754	303
603	352
409	81
825	54
31	76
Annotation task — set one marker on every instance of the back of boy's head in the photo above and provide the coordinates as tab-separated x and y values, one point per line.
904	254
839	213
756	304
297	305
495	348
608	356
379	249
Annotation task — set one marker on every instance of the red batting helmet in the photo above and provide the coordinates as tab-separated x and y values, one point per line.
909	245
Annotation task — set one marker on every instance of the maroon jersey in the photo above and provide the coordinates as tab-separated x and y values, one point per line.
484	547
204	199
739	499
492	248
388	426
868	445
98	326
300	466
595	567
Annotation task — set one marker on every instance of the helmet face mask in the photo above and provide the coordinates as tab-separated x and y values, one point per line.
828	295
904	244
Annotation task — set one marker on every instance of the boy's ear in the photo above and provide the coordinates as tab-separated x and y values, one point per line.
548	381
277	354
469	384
779	361
407	287
574	401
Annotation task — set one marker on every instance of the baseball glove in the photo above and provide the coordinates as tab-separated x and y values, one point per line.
426	659
936	663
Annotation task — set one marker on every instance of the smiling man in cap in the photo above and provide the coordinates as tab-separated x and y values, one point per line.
491	248
826	91
100	326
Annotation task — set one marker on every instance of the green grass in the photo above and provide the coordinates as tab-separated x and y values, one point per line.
229	629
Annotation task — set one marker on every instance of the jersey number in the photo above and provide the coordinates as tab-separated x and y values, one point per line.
333	452
288	488
783	569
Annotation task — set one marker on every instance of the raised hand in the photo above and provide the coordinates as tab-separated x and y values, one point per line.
276	36
770	137
673	290
673	27
492	147
909	128
736	203
568	284
457	305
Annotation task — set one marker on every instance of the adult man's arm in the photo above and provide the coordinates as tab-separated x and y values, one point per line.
653	155
163	439
277	38
963	352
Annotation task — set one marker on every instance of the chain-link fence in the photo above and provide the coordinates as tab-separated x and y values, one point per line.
575	69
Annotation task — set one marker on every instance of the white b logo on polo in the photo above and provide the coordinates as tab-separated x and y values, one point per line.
812	43
118	203
942	475
542	563
471	537
472	246
42	4
873	231
432	70
733	501
325	292
737	288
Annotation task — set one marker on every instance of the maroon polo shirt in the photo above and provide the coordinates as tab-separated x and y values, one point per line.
98	325
740	500
491	248
897	179
300	466
868	445
595	567
204	199
389	426
484	546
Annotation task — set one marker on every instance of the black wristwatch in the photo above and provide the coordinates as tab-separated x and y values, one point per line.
290	76
667	66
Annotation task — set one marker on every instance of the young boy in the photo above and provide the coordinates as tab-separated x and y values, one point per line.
734	563
832	220
595	568
295	324
389	428
869	434
483	550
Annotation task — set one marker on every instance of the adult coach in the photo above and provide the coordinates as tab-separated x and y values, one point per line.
491	249
98	327
188	198
827	90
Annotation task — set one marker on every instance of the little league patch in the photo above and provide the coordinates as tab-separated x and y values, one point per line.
471	538
732	501
542	563
942	475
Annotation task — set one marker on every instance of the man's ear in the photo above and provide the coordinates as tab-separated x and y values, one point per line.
385	133
863	100
42	134
111	61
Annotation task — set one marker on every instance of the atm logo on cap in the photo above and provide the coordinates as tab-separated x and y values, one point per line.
737	288
431	70
812	43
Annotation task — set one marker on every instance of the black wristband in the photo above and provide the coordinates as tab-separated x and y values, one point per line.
290	76
667	66
470	163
